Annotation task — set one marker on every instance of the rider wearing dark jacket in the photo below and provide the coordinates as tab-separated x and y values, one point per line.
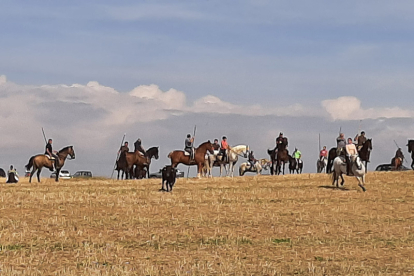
49	151
138	147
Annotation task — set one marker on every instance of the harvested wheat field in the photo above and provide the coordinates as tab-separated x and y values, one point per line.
267	225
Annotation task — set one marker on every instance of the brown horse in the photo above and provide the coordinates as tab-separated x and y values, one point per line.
410	146
39	161
178	157
396	164
127	160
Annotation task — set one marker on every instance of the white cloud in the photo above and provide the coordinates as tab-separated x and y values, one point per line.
3	79
349	108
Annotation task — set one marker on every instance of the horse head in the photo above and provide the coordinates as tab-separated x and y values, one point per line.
208	146
368	142
153	152
69	151
410	145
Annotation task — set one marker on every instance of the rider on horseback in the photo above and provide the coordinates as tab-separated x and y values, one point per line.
252	160
297	155
188	146
340	144
400	155
223	149
323	153
138	147
350	151
216	145
360	139
52	154
124	148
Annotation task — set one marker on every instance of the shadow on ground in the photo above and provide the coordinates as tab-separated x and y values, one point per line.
334	188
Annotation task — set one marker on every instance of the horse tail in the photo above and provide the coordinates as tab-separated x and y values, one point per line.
30	164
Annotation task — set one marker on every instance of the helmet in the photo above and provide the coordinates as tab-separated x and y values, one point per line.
281	133
362	132
188	135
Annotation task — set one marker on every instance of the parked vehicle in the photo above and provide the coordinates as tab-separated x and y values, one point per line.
85	174
388	167
63	174
159	174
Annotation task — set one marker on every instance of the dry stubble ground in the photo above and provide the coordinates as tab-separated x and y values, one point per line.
243	226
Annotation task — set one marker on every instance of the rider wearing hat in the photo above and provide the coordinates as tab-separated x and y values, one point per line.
223	148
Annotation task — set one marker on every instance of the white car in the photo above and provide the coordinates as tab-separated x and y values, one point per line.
63	174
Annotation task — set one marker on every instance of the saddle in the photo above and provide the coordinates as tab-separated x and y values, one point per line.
50	157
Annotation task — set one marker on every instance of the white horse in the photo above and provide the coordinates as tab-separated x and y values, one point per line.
321	164
258	167
358	169
212	160
232	156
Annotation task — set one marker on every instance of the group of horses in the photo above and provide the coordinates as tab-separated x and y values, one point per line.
137	164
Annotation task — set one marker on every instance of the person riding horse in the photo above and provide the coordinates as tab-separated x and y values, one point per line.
297	154
52	154
224	147
340	144
360	139
323	154
399	154
124	148
188	146
12	175
350	151
138	147
216	145
252	160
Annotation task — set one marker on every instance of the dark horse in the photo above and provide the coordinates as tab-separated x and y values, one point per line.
178	156
410	146
331	156
150	153
365	152
294	165
39	161
127	160
279	157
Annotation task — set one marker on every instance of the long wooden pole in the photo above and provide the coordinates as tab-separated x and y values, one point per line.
44	136
117	156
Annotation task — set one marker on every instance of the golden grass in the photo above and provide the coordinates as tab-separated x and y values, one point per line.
243	226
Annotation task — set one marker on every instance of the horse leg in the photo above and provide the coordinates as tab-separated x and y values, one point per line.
412	162
38	174
57	175
342	182
31	174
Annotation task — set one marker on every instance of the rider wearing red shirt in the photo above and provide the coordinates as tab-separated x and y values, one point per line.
223	148
323	154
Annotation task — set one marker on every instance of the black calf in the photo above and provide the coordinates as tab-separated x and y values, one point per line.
169	175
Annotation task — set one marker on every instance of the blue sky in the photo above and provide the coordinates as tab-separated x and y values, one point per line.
273	54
